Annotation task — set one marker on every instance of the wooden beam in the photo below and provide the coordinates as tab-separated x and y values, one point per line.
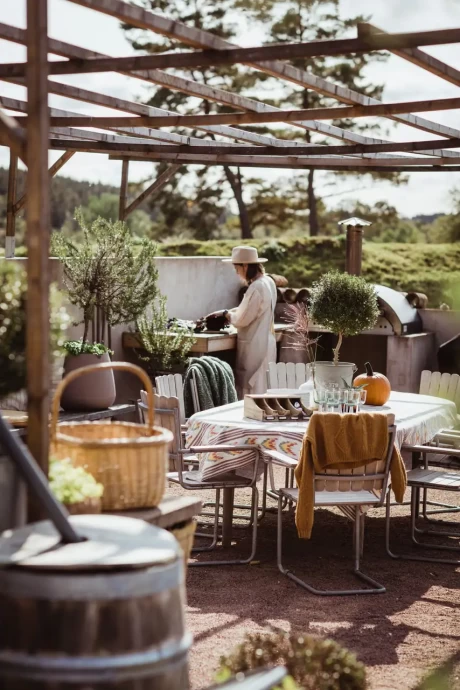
131	146
297	161
154	187
187	35
366	43
38	232
198	38
421	59
281	163
67	155
123	189
12	135
10	235
382	109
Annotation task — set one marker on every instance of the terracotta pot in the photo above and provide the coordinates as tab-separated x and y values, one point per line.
90	392
88	506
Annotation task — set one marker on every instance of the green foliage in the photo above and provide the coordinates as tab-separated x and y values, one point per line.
13	298
108	275
313	663
344	304
167	347
78	347
72	484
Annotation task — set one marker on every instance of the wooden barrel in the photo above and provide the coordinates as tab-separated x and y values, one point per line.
280	281
113	626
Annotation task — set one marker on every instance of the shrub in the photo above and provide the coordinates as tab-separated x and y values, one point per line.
13	292
78	347
313	663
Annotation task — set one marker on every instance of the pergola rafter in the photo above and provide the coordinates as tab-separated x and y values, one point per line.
131	136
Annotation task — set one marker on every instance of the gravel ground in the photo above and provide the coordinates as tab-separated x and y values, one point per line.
400	636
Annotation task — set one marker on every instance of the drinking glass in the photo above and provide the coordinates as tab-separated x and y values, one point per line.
321	398
363	396
354	399
343	400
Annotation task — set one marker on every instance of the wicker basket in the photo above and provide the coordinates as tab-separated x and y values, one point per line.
130	460
90	506
185	534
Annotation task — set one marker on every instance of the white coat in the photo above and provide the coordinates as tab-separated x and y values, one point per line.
256	343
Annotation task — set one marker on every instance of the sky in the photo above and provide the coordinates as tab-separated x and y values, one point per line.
426	193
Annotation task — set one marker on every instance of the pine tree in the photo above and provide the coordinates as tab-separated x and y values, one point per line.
219	19
307	20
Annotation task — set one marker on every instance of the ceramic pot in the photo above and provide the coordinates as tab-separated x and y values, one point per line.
95	391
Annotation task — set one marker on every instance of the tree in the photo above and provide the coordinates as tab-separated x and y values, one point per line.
219	20
307	20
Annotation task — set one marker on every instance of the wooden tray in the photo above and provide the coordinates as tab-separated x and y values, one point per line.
15	417
270	408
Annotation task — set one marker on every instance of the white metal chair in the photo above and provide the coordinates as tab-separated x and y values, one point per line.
287	374
423	479
442	447
167	414
441	386
353	494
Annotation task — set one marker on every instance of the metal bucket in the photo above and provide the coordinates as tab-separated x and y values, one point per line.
328	372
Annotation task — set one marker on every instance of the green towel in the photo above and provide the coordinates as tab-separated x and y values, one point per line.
215	384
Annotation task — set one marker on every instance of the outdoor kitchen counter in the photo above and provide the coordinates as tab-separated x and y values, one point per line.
206	343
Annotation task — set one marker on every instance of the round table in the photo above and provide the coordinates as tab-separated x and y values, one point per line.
418	419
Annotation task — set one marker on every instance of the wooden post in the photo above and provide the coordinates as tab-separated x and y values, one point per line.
10	237
123	189
38	231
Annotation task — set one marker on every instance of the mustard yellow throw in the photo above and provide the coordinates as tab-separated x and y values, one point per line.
342	441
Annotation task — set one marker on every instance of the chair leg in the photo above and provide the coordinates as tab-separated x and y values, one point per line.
245	561
415	499
215	533
376	587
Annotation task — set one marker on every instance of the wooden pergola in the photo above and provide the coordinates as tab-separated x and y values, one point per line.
135	135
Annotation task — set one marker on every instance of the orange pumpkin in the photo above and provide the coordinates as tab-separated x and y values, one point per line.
377	386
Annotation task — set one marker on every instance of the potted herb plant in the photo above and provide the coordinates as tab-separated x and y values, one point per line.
346	305
111	280
167	345
76	488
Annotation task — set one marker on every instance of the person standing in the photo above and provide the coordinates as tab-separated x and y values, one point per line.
254	321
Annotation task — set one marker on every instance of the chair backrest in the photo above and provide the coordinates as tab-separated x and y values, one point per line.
370	477
287	374
441	386
167	413
172	386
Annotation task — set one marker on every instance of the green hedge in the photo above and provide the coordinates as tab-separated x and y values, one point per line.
430	268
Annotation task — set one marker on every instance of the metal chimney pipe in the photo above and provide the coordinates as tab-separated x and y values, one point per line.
354	249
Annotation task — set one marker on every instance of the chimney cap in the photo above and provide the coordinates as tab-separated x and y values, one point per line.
354	221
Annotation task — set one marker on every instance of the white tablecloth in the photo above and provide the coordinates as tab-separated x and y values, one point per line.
418	419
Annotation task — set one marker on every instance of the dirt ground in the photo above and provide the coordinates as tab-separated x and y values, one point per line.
400	636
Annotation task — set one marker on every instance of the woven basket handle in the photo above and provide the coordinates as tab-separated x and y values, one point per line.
91	368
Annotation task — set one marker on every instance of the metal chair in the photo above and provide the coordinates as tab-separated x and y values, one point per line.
423	479
191	479
367	487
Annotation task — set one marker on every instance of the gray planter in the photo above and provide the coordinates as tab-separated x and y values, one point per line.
90	392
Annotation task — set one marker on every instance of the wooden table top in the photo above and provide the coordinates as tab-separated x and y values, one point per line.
82	416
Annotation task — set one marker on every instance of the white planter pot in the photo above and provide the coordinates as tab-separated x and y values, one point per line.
328	372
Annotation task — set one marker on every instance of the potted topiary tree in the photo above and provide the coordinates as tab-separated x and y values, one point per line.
111	280
346	305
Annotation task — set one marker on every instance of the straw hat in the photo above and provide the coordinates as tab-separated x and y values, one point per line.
245	255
